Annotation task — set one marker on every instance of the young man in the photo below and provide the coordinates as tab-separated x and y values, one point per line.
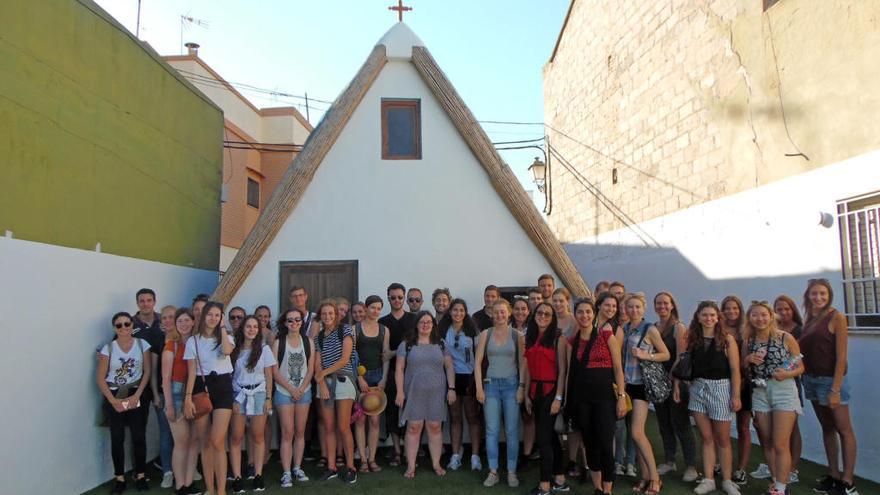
298	298
483	317
535	298
440	299
601	287
547	284
618	289
414	299
399	323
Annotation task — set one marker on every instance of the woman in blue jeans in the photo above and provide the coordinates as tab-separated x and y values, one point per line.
500	388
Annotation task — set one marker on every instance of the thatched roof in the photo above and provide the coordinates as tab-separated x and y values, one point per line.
298	176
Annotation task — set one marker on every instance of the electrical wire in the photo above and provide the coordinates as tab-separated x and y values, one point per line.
254	88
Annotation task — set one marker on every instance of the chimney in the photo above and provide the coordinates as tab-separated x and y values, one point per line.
192	49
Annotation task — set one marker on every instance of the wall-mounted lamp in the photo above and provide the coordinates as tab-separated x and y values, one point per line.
539	173
826	219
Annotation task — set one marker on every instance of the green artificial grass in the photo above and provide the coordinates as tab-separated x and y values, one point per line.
390	481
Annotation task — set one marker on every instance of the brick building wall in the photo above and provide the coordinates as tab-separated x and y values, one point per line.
693	100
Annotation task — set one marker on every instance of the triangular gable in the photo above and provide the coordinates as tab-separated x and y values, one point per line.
299	175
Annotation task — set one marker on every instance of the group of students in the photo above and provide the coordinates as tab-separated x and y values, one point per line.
583	371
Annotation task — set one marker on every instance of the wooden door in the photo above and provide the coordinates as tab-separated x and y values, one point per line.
322	279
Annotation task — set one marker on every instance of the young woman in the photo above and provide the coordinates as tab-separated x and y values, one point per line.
166	440
371	341
123	374
824	345
336	388
714	393
252	385
174	373
594	368
209	367
264	316
501	390
293	392
672	417
425	381
774	360
788	319
342	307
641	342
460	331
358	312
733	322
561	301
545	356
519	321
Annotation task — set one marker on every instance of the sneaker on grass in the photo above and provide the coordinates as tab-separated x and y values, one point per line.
631	471
328	475
762	473
690	475
666	468
729	487
299	474
167	480
825	485
237	486
491	480
793	477
739	477
454	462
560	487
476	463
258	484
286	480
349	476
705	486
512	480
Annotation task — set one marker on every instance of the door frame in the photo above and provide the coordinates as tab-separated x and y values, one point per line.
282	297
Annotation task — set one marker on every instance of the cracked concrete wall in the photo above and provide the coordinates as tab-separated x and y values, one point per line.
693	100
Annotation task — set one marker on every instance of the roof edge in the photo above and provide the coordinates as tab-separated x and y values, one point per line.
561	30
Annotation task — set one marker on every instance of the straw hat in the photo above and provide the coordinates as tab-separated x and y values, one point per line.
373	401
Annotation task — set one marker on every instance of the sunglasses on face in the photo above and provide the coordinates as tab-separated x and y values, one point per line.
760	302
544	314
395	298
415	300
236	317
294	320
125	324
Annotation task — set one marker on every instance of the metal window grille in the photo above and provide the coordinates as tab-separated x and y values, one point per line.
859	224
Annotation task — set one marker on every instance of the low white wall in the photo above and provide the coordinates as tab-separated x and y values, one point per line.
55	307
756	244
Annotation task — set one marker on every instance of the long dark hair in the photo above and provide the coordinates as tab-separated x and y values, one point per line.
218	332
256	345
468	326
281	323
808	306
412	337
737	328
548	339
614	321
695	331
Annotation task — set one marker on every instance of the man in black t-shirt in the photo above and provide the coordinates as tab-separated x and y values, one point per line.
399	324
146	325
483	317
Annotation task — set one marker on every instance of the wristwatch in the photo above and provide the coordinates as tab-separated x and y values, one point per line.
559	398
621	395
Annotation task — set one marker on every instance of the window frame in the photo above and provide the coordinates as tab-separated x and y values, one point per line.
408	103
247	198
858	220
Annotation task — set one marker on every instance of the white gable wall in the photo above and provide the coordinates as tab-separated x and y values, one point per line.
435	222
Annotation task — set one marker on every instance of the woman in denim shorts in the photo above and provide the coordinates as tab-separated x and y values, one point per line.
773	357
714	393
824	346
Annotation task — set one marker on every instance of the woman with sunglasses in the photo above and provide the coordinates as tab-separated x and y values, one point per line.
461	332
519	320
501	389
185	454
594	369
123	373
293	392
545	352
733	321
210	368
372	347
714	393
824	345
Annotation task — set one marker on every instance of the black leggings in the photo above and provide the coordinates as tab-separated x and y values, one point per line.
136	421
597	421
546	437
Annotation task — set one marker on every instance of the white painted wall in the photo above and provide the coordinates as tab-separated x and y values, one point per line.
757	244
428	223
55	307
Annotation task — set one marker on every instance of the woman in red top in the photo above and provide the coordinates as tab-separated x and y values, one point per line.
824	347
594	368
174	371
545	382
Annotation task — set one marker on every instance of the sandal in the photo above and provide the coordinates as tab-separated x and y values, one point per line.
322	463
409	474
374	467
364	467
439	471
654	491
395	460
641	486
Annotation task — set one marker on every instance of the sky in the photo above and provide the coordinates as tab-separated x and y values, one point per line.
493	51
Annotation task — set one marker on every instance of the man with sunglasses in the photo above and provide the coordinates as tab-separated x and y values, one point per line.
236	316
398	322
414	300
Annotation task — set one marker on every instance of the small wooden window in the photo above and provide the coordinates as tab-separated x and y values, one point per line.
253	193
401	129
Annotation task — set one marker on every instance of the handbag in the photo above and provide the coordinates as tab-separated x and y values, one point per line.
658	386
683	369
201	400
629	402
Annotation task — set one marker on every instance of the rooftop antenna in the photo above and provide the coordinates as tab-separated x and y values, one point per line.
186	21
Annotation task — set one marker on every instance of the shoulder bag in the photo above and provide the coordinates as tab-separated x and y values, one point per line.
658	386
202	400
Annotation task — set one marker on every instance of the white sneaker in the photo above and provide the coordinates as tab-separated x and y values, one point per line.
690	475
491	480
729	487
286	480
476	464
631	470
197	476
167	480
666	468
705	486
762	473
299	474
619	470
454	462
793	477
512	480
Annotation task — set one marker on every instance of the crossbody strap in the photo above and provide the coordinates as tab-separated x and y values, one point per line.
199	363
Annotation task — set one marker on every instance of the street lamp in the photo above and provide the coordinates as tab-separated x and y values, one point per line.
539	173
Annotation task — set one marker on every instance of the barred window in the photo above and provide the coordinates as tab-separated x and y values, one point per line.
859	224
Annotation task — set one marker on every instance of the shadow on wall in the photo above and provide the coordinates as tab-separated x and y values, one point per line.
652	269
